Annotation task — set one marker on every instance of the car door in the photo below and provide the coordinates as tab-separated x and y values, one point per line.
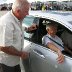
42	59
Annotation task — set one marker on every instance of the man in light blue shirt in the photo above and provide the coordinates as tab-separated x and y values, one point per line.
48	40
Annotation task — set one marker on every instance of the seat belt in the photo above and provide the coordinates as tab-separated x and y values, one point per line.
55	42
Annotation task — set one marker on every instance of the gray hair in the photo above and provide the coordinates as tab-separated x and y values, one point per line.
50	25
19	4
47	27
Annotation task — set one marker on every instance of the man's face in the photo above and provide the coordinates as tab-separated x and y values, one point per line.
24	12
52	30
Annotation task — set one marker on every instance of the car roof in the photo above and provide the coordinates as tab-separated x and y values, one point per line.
62	17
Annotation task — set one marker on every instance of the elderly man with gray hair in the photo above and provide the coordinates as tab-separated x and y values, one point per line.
52	41
11	37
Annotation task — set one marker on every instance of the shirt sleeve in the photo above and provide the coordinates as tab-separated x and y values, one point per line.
6	36
46	40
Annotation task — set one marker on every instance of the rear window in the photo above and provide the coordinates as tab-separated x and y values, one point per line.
28	20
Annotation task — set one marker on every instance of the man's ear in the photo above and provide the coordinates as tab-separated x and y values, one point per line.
18	11
47	30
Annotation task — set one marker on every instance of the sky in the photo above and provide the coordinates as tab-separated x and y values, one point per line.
10	1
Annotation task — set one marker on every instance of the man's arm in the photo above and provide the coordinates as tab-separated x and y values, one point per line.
56	49
32	27
12	51
53	47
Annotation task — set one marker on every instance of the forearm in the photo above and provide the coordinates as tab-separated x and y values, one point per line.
27	28
56	49
11	50
53	47
32	27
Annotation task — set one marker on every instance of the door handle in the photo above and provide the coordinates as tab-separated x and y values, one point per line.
39	53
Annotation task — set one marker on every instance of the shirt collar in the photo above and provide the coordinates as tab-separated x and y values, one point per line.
50	36
15	17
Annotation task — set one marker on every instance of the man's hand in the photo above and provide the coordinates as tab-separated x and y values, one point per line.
60	58
24	55
32	27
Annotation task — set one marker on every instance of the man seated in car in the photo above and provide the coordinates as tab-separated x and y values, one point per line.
51	39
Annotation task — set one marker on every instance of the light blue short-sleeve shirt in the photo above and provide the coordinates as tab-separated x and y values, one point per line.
46	40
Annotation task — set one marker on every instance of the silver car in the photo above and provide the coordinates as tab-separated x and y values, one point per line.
41	58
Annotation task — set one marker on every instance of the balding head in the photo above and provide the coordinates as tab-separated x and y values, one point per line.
51	29
20	8
20	4
51	26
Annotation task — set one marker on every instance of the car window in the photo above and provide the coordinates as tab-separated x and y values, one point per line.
28	21
62	32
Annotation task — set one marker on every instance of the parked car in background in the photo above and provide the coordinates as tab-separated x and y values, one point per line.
41	58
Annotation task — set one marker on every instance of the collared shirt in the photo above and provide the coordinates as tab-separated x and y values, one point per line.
46	40
10	35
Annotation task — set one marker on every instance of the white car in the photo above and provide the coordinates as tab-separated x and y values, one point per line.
41	58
